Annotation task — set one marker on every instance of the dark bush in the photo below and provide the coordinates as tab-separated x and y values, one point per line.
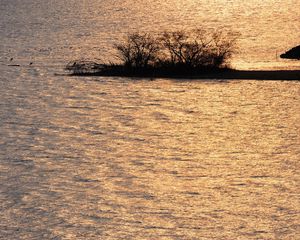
169	53
198	48
190	49
138	50
183	48
84	66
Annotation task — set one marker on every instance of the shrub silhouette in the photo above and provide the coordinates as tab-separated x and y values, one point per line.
84	66
185	49
166	54
138	50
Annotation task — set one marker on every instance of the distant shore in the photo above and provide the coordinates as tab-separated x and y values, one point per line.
227	74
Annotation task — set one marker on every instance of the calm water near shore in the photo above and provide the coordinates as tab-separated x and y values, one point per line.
113	158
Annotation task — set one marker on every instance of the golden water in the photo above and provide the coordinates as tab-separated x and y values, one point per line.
117	158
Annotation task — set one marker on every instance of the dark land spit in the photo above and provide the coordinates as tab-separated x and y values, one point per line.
216	74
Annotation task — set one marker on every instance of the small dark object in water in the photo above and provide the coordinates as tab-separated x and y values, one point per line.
30	63
11	59
293	53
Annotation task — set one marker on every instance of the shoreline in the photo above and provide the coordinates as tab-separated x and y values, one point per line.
227	74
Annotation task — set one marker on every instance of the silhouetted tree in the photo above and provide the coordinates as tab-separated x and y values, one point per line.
197	48
138	50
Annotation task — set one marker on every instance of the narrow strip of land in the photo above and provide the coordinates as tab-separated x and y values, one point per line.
255	75
226	74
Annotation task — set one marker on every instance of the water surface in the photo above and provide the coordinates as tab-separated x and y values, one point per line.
118	158
53	32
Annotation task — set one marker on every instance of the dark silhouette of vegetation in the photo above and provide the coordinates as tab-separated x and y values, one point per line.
138	50
197	48
293	53
169	53
84	67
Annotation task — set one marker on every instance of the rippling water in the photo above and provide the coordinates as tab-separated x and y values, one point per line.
113	158
53	32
